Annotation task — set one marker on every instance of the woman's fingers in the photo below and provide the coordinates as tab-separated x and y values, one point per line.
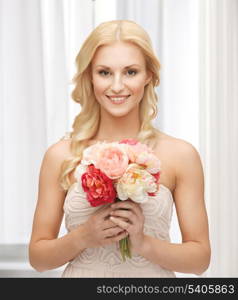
108	224
127	205
120	222
114	222
127	215
114	231
104	212
116	238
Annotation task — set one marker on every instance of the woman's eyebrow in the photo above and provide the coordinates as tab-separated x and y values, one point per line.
127	67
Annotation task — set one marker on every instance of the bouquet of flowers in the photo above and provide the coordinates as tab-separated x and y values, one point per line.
118	171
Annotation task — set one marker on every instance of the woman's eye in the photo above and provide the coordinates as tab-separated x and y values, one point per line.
103	73
132	72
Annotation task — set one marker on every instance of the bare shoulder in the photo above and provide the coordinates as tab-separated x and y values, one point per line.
58	151
177	148
189	169
53	158
178	157
185	154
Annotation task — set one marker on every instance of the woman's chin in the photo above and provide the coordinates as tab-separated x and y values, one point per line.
119	112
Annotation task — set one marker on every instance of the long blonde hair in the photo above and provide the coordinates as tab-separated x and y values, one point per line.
86	123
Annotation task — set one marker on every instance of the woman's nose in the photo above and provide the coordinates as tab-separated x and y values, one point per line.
117	84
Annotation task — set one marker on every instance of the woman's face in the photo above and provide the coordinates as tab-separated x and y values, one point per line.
119	76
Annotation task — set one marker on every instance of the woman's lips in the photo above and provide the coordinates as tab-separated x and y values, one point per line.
118	99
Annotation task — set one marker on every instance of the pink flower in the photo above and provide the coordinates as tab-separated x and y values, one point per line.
149	160
90	154
142	155
112	160
98	187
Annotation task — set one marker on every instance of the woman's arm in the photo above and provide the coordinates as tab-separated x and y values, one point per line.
193	254
46	250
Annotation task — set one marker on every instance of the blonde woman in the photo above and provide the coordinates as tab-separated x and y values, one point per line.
117	72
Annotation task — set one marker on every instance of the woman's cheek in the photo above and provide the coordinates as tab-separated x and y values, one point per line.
99	87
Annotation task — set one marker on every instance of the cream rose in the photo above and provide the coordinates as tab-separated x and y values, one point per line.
135	184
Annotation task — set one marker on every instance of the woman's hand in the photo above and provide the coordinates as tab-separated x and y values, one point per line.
101	231
128	216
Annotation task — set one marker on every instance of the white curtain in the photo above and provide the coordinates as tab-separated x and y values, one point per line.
39	42
219	129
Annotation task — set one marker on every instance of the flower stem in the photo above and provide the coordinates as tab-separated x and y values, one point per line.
124	244
125	248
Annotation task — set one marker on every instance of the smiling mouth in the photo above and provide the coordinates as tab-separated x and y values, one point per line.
118	99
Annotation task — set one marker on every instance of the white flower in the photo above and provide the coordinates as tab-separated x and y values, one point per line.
135	184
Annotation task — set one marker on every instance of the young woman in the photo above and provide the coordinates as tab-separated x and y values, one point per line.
117	72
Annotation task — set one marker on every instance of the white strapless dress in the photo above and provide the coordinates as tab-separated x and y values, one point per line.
106	261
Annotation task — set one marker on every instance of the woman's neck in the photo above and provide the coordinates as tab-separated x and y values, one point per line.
116	128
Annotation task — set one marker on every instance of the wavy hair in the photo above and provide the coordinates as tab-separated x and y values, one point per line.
86	123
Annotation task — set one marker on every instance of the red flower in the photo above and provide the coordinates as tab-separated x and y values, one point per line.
98	186
157	176
128	141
